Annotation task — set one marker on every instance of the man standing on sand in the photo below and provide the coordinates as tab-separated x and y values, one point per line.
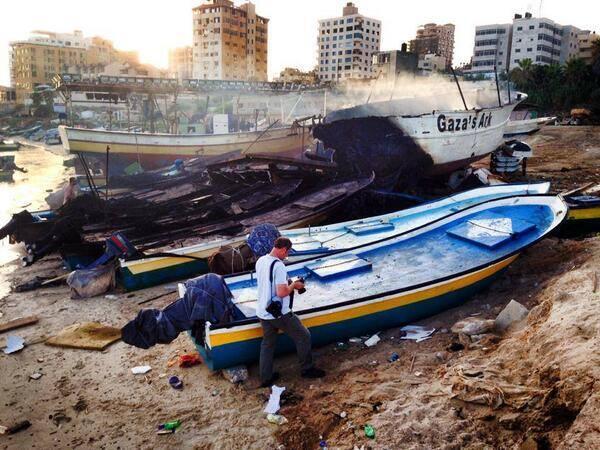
275	313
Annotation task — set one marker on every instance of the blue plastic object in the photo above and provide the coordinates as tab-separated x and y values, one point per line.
261	239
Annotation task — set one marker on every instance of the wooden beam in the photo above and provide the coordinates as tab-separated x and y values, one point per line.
18	323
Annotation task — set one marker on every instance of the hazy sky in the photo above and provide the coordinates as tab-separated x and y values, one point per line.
154	26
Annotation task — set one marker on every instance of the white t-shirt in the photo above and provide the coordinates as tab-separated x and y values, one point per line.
266	289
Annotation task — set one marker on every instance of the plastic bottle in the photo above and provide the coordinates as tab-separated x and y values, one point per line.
170	425
369	431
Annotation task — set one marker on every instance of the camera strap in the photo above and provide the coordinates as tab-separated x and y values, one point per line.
271	277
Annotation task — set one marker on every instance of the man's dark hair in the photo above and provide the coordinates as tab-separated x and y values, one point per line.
282	242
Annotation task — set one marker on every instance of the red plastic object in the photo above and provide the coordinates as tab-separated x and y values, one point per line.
189	360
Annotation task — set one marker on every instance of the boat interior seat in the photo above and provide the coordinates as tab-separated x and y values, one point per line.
307	246
490	230
371	227
340	266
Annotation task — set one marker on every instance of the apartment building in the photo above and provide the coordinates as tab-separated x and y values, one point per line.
181	63
345	45
492	48
586	41
230	43
434	39
389	64
35	61
543	41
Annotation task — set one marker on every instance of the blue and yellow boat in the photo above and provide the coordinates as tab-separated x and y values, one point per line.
423	271
314	242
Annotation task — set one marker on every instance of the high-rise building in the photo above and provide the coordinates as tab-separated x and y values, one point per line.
542	41
35	61
586	41
181	63
538	39
434	39
230	43
346	44
492	48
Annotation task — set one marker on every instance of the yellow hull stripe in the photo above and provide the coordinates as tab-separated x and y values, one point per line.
584	213
224	336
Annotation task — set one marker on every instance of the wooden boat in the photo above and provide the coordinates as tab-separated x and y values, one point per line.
392	282
155	150
314	242
307	209
526	126
399	146
584	215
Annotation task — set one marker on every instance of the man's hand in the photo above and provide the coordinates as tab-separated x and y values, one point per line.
298	285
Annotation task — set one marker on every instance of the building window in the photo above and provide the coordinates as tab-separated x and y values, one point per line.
519	28
531	27
518	50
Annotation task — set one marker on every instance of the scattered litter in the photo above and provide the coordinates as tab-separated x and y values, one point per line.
369	431
162	375
373	363
214	393
111	297
40	360
394	357
373	340
36	376
416	333
277	419
512	313
355	340
175	382
323	445
87	335
418	374
341	346
169	427
273	405
14	344
140	369
343	414
473	326
189	360
17	323
237	374
19	426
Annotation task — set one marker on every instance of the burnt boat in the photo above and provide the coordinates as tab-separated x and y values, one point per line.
381	137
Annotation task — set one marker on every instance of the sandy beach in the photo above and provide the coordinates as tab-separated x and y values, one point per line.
535	387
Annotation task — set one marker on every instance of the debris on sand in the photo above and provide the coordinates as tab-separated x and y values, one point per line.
473	326
513	313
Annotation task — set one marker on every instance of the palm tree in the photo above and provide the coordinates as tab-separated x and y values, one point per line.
522	75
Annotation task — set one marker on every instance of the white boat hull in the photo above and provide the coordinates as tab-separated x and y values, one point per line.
158	150
527	126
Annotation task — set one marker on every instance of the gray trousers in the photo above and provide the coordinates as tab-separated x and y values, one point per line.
290	325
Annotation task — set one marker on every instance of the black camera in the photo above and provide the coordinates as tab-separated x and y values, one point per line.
274	308
303	290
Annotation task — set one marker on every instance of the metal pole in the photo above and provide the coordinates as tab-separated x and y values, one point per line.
497	86
459	89
106	177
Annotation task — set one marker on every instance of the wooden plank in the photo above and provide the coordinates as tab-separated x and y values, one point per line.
18	323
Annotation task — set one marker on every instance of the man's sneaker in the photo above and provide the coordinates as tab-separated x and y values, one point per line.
273	379
313	372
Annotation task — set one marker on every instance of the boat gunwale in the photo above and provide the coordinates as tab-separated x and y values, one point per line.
550	228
